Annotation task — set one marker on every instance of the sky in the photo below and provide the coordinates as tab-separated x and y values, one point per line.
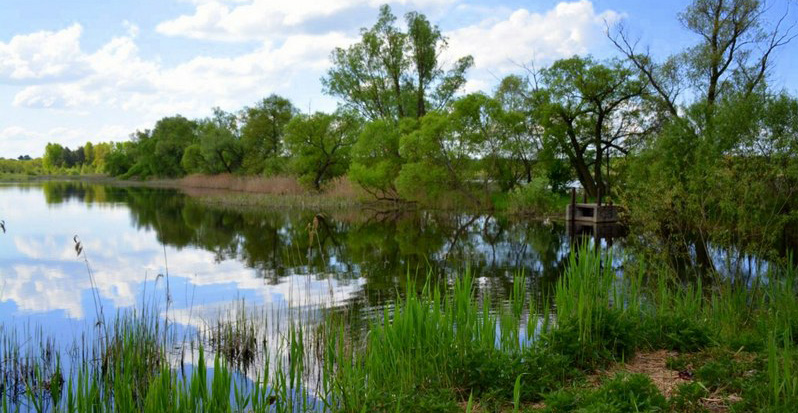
92	70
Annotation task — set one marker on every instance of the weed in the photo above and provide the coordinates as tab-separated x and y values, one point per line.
687	398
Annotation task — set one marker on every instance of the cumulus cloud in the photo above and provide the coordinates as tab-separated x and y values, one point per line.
42	55
118	77
499	44
255	19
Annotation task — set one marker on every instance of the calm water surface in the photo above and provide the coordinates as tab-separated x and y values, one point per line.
132	237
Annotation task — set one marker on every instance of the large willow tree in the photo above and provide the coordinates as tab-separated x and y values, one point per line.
392	77
710	174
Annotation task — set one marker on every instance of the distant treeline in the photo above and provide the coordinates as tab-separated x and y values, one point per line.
697	145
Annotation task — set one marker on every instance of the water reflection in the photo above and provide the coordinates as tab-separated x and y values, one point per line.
133	234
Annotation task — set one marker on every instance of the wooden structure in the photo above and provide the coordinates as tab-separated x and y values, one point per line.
593	213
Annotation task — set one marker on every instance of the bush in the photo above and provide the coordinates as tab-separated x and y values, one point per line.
533	198
622	393
631	393
687	398
678	332
613	337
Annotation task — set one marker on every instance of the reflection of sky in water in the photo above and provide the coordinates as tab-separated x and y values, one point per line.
44	283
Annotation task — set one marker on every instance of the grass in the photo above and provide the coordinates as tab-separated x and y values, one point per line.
450	349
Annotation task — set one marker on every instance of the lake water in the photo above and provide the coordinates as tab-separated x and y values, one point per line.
133	237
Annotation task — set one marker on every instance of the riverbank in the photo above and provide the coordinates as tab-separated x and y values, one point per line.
252	192
228	190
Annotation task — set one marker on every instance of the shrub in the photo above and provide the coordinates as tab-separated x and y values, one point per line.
622	393
533	198
678	332
687	398
612	336
630	393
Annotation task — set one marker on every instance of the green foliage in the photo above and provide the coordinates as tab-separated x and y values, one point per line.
533	198
716	171
160	151
590	108
687	398
621	393
219	148
262	134
21	168
376	161
438	160
678	332
320	144
120	159
53	156
401	70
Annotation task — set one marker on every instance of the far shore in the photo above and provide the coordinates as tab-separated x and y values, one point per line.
235	191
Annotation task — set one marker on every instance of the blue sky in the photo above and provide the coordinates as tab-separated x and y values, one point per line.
82	70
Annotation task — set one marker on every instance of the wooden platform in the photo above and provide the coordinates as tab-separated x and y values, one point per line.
592	213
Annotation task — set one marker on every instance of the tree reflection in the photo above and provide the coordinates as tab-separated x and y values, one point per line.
383	247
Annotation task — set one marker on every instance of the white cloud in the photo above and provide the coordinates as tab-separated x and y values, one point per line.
258	19
499	45
19	140
42	55
116	88
118	77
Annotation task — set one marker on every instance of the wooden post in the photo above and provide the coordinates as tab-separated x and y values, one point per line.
584	196
598	197
571	214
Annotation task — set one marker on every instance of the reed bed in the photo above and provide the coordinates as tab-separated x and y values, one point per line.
449	349
272	185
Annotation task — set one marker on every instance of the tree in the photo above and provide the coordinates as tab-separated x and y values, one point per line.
219	144
499	138
376	161
439	159
733	55
391	74
589	108
523	141
88	153
120	158
319	145
262	133
711	99
160	151
101	151
53	156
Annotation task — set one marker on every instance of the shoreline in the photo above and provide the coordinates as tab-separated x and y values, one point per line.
247	192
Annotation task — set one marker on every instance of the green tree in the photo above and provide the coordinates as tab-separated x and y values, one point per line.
219	143
120	158
439	159
160	152
589	108
320	145
53	156
262	134
101	151
523	142
88	154
376	161
714	103
391	74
